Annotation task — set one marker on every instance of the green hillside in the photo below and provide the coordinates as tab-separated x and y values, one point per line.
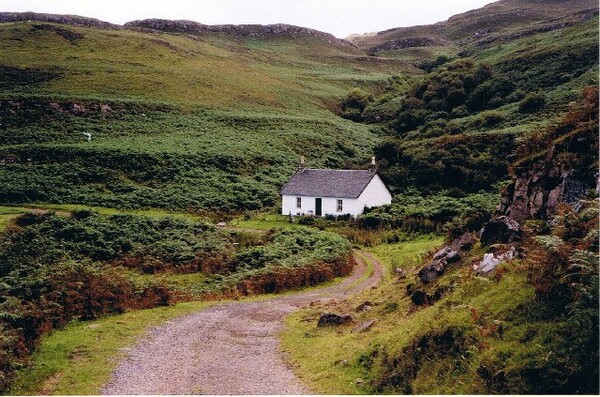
194	117
154	118
177	121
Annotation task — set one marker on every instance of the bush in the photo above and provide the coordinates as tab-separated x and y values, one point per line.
354	104
532	102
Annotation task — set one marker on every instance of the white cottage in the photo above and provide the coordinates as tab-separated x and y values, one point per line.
321	192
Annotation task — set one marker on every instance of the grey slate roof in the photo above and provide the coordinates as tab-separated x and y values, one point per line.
328	183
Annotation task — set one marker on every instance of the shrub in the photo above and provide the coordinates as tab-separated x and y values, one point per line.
532	102
354	104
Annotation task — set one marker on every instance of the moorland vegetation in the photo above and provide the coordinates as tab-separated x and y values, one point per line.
208	122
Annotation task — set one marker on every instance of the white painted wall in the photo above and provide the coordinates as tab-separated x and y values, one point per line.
329	206
374	195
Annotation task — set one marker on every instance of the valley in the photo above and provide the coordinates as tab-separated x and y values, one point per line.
140	172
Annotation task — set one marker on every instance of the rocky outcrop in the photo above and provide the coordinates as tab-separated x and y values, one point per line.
445	256
198	29
500	230
332	319
538	190
53	18
494	258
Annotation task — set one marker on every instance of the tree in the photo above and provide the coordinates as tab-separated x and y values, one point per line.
354	104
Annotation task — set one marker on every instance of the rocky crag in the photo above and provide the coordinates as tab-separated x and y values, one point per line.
198	29
53	18
563	172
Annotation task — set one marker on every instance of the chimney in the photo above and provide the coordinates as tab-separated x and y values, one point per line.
300	165
373	166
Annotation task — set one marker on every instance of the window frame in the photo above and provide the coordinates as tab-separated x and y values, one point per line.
340	205
298	202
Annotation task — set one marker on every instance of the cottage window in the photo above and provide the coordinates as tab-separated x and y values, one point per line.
298	202
340	205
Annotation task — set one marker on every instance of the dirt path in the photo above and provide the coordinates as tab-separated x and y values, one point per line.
228	349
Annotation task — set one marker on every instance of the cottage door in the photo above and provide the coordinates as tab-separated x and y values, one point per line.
318	206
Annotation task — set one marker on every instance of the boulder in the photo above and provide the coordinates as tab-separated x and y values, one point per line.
453	256
442	253
493	259
419	297
431	271
502	230
367	325
463	243
364	307
332	319
445	256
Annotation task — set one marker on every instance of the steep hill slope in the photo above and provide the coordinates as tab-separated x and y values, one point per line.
498	22
210	119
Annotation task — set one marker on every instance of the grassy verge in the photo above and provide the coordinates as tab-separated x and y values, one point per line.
405	254
325	358
80	358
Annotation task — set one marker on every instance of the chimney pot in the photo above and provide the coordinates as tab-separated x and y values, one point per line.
301	164
373	167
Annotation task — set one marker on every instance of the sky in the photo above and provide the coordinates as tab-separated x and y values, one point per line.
339	17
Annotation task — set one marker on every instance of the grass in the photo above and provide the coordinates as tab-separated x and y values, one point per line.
216	123
154	213
264	222
80	358
8	213
338	361
405	254
217	71
323	357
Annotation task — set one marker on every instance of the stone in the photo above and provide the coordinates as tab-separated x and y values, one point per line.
419	297
332	319
539	189
367	325
399	272
462	243
366	305
502	230
431	271
492	259
442	253
453	256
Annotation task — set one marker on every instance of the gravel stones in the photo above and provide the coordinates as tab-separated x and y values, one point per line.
227	349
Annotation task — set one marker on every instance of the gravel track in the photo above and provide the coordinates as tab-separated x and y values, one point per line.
227	349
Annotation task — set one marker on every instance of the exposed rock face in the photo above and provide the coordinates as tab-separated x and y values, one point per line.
501	230
538	190
332	319
53	18
445	256
195	28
